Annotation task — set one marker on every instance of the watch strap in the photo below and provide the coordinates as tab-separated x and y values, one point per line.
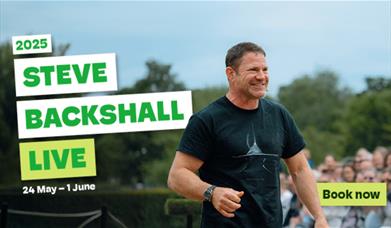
209	192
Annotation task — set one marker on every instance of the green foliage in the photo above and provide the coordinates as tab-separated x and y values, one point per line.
158	79
321	143
376	84
315	101
120	156
156	171
367	120
333	120
203	97
317	104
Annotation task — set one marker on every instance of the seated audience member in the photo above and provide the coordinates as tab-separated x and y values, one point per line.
370	175
354	218
325	175
307	154
337	175
330	163
334	214
373	220
360	177
385	213
361	154
366	162
378	157
301	220
293	217
371	213
387	160
348	173
286	195
386	175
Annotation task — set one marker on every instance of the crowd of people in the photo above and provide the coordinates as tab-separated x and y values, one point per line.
365	166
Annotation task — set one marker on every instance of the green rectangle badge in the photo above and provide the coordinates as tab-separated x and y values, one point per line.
352	194
57	159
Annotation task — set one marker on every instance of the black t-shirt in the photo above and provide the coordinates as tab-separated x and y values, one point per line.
241	149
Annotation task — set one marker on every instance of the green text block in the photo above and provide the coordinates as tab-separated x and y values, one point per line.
57	159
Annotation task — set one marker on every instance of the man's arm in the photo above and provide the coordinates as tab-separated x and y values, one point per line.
183	180
306	187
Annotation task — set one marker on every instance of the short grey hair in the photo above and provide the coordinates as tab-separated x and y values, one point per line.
235	53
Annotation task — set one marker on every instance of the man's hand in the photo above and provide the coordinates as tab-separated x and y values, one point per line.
321	223
226	201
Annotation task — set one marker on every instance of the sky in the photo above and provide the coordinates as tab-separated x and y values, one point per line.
351	38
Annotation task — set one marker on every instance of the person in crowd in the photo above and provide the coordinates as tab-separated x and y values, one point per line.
366	162
286	194
307	154
360	177
324	174
337	174
326	170
370	175
354	218
348	172
362	160
378	157
387	160
374	215
386	212
330	163
382	217
334	214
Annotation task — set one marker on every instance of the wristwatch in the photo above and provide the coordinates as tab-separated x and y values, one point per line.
209	192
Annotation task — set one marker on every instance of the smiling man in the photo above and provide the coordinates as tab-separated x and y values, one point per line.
236	144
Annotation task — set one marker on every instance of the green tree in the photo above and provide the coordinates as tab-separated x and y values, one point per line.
315	101
120	157
317	104
205	96
367	121
158	79
377	84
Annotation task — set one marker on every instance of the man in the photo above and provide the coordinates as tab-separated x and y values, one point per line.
236	143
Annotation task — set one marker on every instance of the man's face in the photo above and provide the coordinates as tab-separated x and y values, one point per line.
250	79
